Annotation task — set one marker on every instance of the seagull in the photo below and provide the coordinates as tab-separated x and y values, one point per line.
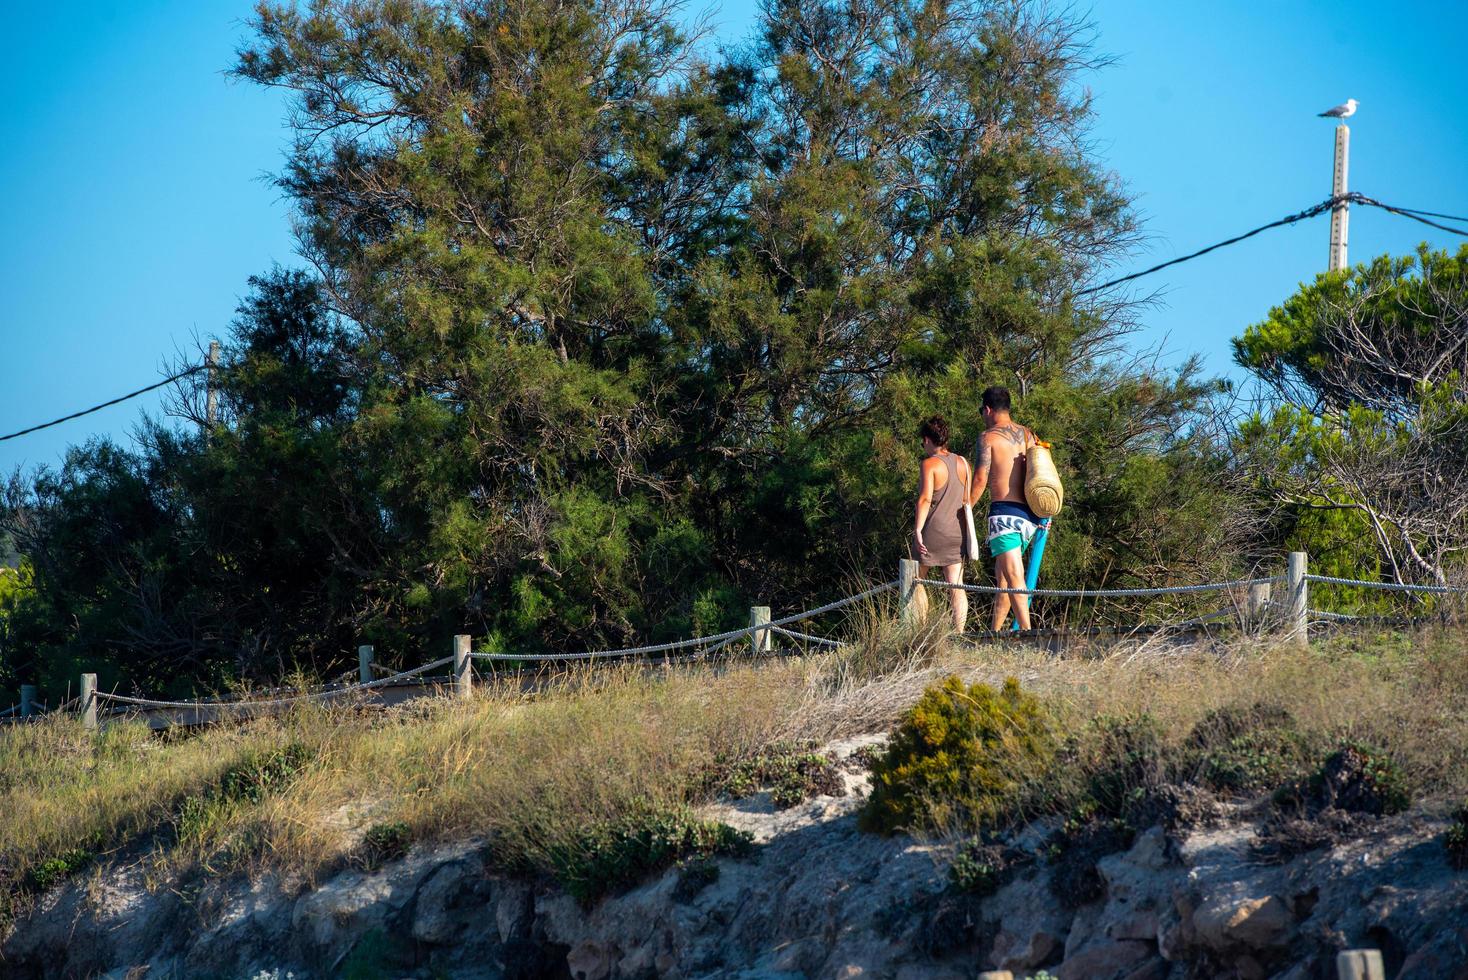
1348	108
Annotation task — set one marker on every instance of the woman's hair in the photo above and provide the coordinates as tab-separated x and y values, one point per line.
935	428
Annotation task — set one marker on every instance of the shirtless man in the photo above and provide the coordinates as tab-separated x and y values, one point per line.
1000	468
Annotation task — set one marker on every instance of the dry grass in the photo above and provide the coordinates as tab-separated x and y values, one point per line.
530	773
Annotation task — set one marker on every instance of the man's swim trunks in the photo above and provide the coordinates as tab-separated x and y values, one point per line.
1011	525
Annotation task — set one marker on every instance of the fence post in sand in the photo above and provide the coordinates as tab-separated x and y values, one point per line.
1360	964
27	700
364	663
463	677
1257	611
996	975
1298	619
907	586
760	641
89	701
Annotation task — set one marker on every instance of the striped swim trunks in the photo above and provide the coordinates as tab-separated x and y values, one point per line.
1011	525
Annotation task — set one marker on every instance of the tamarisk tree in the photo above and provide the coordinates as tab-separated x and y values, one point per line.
1371	370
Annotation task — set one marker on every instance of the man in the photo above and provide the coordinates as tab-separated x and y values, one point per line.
999	466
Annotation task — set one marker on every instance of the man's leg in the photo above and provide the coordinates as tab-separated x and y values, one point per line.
1017	575
1009	574
1001	601
957	598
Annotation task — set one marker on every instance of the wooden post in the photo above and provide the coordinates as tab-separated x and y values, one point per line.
364	663
1257	610
89	700
760	641
907	584
463	677
1360	964
27	700
1298	621
996	975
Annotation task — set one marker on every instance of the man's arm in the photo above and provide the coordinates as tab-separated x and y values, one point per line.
984	455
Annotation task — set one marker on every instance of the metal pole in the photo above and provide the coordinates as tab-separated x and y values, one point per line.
364	663
211	411
907	576
760	641
1299	598
463	678
1340	215
27	700
89	700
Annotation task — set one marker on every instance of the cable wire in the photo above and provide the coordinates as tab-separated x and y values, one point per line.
107	404
1309	212
1329	204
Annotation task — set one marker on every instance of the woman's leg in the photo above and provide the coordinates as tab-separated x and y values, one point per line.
957	598
920	594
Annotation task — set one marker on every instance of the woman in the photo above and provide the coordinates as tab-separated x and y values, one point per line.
938	529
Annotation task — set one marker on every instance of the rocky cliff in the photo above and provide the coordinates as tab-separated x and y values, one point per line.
1210	892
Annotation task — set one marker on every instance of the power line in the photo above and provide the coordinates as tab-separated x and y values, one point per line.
1409	213
1433	214
107	404
1310	212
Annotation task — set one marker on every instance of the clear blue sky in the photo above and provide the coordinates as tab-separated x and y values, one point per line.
137	207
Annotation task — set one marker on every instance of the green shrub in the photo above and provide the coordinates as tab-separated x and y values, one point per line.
247	782
53	871
979	868
1456	839
385	842
792	774
1124	761
1246	750
694	875
961	754
258	775
1356	778
620	852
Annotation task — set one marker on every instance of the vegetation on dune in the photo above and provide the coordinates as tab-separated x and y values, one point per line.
963	752
598	781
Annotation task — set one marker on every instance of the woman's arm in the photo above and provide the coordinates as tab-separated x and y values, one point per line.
924	502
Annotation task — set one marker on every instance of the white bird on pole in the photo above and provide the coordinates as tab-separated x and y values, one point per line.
1345	109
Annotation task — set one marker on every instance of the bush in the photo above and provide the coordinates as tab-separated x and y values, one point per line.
385	842
792	774
694	875
980	868
1246	750
961	754
1456	839
620	852
1356	778
247	782
53	871
1124	762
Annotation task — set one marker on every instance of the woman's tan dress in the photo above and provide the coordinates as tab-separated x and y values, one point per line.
943	530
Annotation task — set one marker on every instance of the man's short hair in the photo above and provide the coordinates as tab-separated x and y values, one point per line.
935	428
996	399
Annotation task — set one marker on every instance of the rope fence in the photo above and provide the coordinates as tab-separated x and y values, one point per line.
1289	613
1105	593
